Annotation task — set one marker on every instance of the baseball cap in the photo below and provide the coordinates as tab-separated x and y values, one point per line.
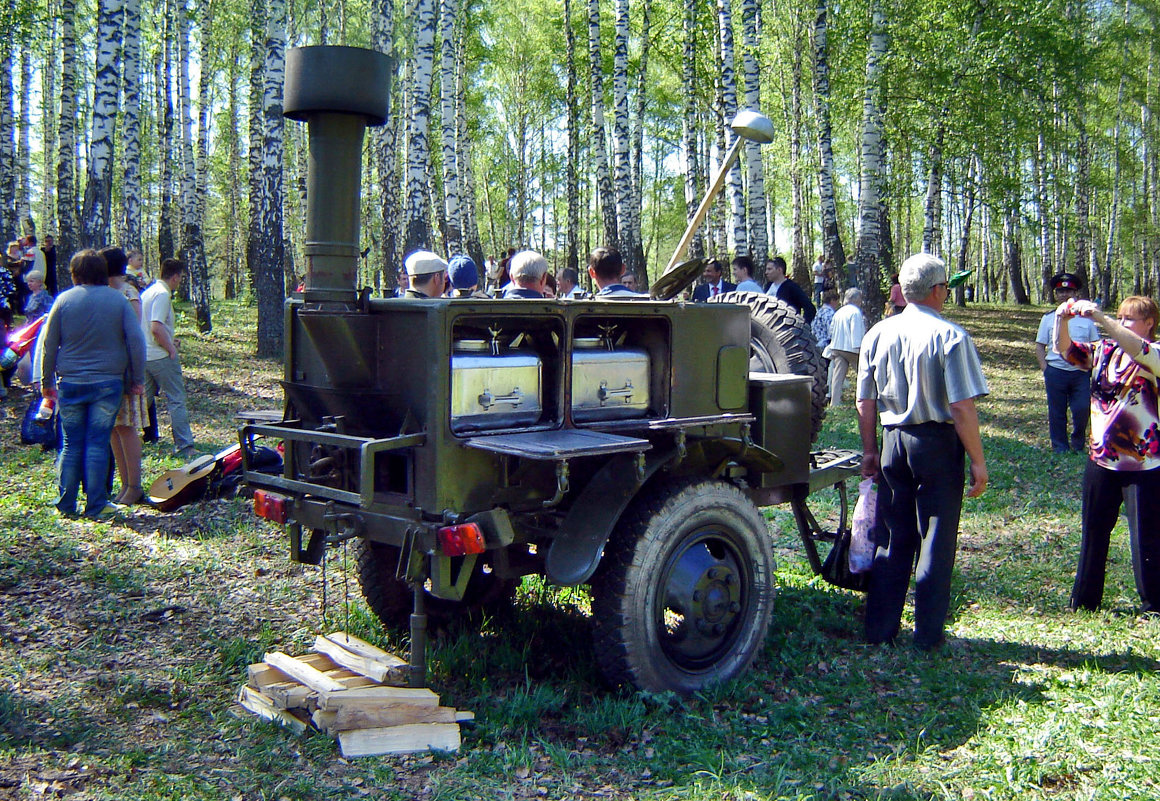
424	262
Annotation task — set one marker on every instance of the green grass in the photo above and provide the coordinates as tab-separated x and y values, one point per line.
100	684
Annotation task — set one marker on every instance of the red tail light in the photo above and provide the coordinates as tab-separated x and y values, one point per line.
461	540
271	506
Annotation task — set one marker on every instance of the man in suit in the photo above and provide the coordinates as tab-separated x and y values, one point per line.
715	283
785	290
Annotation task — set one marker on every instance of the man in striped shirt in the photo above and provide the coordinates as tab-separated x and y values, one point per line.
918	375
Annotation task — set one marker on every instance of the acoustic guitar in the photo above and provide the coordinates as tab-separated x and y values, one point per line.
186	484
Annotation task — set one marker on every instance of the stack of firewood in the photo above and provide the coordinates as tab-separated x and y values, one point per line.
353	691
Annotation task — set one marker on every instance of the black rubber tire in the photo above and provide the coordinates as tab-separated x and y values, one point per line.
783	342
687	556
392	600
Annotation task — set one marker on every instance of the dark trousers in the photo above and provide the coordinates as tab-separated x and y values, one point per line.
1104	491
1067	389
920	496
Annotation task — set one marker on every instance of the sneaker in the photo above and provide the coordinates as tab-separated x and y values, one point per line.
187	453
110	511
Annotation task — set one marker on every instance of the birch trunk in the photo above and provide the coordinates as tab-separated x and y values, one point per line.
800	264
24	219
8	220
96	219
48	77
192	245
268	251
131	135
599	148
689	129
418	210
234	159
831	230
754	167
1046	264
463	157
384	138
620	138
638	146
66	202
448	91
869	259
738	241
1084	263
166	241
571	178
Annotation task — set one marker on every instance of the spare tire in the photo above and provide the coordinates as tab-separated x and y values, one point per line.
783	342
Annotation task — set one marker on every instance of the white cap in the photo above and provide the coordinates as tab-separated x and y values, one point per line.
424	262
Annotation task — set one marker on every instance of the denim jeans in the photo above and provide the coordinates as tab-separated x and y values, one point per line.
87	412
1067	389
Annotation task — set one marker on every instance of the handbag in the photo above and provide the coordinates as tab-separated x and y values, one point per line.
37	432
836	567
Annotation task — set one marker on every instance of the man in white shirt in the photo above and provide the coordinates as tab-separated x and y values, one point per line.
846	332
162	369
1067	385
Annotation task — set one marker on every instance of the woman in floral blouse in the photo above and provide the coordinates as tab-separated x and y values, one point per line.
1124	468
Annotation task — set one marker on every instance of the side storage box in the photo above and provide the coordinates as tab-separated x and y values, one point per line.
781	406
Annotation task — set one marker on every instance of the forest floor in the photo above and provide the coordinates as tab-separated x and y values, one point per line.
123	644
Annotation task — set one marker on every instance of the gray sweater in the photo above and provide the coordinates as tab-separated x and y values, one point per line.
92	335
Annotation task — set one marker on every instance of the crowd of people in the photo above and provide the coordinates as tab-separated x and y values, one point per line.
106	348
96	356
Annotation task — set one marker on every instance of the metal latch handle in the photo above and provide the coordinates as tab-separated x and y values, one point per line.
487	400
604	393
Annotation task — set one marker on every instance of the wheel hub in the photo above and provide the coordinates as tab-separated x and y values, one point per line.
703	598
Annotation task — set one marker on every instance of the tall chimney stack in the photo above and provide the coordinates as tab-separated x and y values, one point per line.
337	92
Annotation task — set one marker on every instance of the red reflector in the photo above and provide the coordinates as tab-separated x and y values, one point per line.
270	506
461	540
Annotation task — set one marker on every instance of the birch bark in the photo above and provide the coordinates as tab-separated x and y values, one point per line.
96	219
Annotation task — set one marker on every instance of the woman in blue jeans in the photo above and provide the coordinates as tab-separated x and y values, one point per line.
93	348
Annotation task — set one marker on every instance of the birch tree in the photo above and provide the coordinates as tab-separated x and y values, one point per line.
66	208
267	248
96	219
131	131
692	145
571	163
7	132
625	224
383	138
870	262
448	95
418	210
192	245
599	148
24	219
48	78
735	192
831	231
754	167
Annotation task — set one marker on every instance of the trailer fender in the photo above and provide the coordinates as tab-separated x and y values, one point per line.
574	554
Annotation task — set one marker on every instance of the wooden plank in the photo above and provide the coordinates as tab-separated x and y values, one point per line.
377	717
311	676
394	671
261	705
293	694
411	739
324	721
261	674
376	695
364	648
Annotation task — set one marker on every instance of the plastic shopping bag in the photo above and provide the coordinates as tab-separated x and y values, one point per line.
862	544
